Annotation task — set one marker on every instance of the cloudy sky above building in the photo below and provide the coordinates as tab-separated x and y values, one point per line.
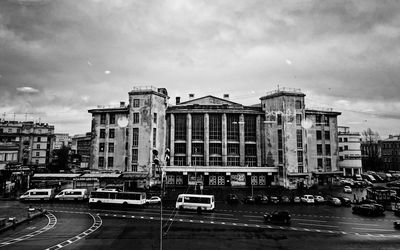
60	58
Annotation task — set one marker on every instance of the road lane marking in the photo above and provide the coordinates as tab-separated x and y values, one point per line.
97	222
318	225
322	221
374	229
353	223
52	221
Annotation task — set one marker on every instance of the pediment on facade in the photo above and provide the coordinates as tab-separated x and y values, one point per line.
210	100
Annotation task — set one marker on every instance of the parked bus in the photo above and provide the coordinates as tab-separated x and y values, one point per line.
38	194
197	202
117	198
72	195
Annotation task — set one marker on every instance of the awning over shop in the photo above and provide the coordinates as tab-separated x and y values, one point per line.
332	173
55	176
135	176
298	174
101	175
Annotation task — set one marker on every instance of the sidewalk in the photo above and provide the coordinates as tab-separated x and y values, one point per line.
11	218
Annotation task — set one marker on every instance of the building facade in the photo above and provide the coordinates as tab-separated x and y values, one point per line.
80	146
212	141
350	157
34	141
390	153
61	140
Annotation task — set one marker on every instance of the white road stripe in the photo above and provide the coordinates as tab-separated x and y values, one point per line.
361	224
374	229
318	225
321	221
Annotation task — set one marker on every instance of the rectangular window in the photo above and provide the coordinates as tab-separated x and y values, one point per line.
180	127
180	148
299	135
110	162
233	161
37	154
300	169
111	147
250	150
233	149
215	149
154	137
111	133
180	160
300	157
135	155
215	127
136	103
319	135
197	127
340	139
112	118
345	139
38	146
328	164
135	139
298	119
135	118
232	127
340	149
326	120
280	156
102	118
101	147
101	162
319	149
250	161
39	139
102	133
215	161
318	120
197	161
319	164
298	104
155	117
250	128
197	149
327	149
327	135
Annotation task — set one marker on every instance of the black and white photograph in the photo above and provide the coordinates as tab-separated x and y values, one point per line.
199	124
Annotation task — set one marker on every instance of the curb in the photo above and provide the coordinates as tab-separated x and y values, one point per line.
26	220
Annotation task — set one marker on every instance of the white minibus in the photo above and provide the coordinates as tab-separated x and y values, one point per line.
72	194
37	194
197	202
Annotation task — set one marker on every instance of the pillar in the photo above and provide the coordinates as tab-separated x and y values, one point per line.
189	139
224	140
241	140
206	140
258	140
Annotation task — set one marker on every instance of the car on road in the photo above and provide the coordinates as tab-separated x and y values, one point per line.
249	200
232	199
333	201
347	189
369	209
285	199
153	200
309	199
278	216
396	224
274	199
319	199
346	202
261	199
368	201
296	199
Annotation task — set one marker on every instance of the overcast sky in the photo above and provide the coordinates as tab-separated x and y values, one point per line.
60	58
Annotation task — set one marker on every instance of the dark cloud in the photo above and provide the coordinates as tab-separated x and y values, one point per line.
339	50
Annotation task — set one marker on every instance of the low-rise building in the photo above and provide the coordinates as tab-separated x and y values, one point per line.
61	140
350	157
390	152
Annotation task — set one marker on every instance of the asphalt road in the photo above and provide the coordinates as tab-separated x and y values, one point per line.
229	227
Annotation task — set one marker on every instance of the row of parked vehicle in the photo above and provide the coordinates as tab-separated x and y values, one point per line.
306	199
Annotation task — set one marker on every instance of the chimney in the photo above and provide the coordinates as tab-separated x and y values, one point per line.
177	100
122	104
390	136
191	96
226	96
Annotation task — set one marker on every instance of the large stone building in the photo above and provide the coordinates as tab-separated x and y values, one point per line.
61	140
390	153
33	141
349	152
213	141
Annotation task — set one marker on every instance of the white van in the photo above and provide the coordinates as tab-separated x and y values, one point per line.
72	194
37	194
307	198
197	202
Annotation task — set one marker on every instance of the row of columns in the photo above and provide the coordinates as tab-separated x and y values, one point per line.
207	139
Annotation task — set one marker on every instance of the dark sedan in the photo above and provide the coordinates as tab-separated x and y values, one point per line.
232	199
345	201
278	216
249	200
369	209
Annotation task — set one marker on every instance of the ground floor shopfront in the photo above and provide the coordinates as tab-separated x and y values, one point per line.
214	177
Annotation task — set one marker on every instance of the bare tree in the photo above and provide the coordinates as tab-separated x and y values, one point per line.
371	159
